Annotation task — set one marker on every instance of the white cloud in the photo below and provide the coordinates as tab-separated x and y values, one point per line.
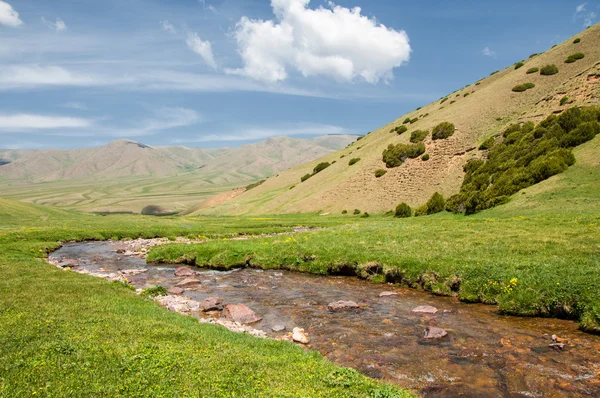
202	48
58	26
25	121
580	8
164	119
167	27
582	13
488	53
23	76
337	42
8	15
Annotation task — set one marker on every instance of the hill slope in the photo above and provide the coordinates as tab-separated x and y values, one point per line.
478	111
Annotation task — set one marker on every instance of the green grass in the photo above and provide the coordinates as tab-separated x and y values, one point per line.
64	334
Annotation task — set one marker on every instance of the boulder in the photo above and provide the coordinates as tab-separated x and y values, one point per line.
432	332
189	282
175	290
342	305
184	271
241	313
299	336
211	304
425	309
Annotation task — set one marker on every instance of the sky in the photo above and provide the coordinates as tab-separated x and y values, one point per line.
211	73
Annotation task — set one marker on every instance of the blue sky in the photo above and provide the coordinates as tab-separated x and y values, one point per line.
208	73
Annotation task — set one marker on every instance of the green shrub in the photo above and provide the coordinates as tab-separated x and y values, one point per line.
356	212
564	100
523	87
581	134
549	70
574	57
152	210
305	177
466	95
444	100
407	120
353	161
519	64
436	204
380	173
401	129
532	70
425	157
421	211
487	144
414	120
403	211
533	55
320	167
155	291
365	215
256	184
442	131
395	155
577	40
344	211
418	136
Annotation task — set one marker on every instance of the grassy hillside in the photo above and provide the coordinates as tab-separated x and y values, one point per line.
478	111
64	334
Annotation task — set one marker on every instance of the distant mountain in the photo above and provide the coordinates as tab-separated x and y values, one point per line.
126	158
10	155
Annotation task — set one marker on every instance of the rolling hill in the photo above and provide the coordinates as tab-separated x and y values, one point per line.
478	111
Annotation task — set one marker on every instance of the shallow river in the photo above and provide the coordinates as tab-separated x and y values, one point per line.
484	354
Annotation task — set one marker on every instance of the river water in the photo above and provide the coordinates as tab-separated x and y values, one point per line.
484	354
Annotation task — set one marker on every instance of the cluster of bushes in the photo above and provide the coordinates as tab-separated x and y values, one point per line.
418	136
353	161
399	130
318	168
256	184
532	70
549	70
436	204
380	173
527	155
154	210
442	131
395	155
487	144
574	57
523	87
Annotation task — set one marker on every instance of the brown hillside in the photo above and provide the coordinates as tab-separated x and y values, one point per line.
488	107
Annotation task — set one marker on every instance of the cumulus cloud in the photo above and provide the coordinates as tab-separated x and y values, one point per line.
8	15
25	121
488	53
202	48
336	42
58	26
167	27
582	13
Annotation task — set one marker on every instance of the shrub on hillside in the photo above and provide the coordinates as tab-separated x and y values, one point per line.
574	57
487	144
564	100
425	157
356	212
320	167
527	155
380	173
414	120
256	184
353	161
519	64
418	136
407	120
442	131
532	70
549	70
395	155
403	211
401	129
154	210
344	211
444	100
436	204
523	87
305	177
577	40
365	215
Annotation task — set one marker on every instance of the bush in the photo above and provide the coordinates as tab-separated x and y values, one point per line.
466	95
425	157
353	161
344	211
407	120
380	173
523	87
418	136
256	184
574	57
444	100
414	120
577	40
564	100
581	134
154	210
442	131
487	144
395	155
403	211
436	204
532	70
320	167
401	129
305	177
356	212
519	64
549	70
365	215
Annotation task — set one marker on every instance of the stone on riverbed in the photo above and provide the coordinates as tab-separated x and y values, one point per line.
432	332
211	304
299	336
342	305
184	271
425	309
133	272
240	313
189	282
175	290
387	294
278	328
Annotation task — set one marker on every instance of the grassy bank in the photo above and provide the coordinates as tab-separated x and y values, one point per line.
65	334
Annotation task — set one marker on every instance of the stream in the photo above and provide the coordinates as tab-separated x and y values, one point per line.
483	355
